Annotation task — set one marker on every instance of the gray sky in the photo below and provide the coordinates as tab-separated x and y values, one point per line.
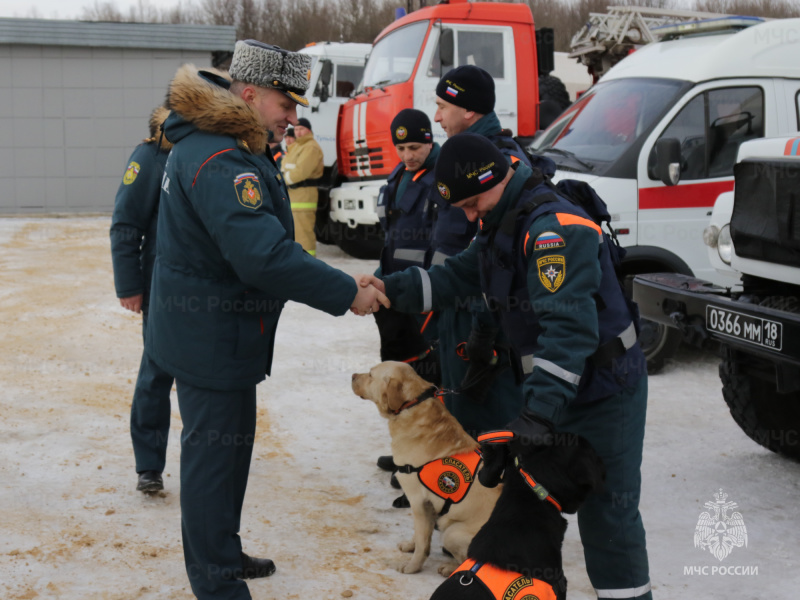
67	9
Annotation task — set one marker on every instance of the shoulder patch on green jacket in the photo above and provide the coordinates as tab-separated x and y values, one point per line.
248	190
131	172
552	271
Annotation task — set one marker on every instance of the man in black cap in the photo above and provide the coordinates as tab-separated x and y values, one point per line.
226	264
547	272
473	352
302	167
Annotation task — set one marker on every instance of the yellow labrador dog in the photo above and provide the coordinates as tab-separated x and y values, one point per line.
437	462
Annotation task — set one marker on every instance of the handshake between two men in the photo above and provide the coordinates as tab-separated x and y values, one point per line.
370	297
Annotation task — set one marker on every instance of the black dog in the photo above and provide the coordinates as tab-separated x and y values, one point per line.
517	553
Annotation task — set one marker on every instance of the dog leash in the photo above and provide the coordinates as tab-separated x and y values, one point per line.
504	437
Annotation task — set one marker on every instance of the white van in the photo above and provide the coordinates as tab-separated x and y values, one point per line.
336	71
695	98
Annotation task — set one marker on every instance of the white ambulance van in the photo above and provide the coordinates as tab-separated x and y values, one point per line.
658	135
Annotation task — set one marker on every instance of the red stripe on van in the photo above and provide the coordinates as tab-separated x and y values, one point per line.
792	147
690	195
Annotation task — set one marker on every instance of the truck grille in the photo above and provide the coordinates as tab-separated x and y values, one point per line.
366	158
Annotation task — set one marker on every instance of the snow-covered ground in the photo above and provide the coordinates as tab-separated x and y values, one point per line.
72	525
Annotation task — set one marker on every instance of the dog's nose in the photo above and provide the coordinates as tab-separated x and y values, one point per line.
353	378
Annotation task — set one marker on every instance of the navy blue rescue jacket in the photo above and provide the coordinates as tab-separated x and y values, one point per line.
534	246
407	216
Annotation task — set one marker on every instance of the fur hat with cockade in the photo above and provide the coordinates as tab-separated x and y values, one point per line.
270	66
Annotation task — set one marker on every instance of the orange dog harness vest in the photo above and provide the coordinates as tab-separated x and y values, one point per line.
503	585
450	477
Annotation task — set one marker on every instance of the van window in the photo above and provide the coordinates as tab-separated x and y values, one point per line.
797	108
710	129
347	78
480	48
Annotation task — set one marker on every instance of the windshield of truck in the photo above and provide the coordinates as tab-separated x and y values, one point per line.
393	58
605	122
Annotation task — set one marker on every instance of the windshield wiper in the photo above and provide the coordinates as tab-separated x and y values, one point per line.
568	154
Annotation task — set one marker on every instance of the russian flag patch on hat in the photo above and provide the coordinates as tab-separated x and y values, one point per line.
451	92
485	177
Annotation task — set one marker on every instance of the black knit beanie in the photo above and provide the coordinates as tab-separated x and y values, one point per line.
411	125
469	87
468	165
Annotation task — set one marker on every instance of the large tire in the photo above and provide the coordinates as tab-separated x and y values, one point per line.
659	343
768	417
553	99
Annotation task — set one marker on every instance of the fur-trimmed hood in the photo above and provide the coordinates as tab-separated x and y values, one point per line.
157	118
206	104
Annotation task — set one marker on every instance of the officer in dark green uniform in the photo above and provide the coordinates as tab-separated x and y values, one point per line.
226	265
133	252
547	272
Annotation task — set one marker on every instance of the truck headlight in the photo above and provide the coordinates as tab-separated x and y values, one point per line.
711	236
725	244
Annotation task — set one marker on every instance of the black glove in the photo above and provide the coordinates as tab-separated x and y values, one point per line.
531	429
528	428
483	363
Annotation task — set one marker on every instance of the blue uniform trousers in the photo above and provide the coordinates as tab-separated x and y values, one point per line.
610	525
150	411
216	447
504	401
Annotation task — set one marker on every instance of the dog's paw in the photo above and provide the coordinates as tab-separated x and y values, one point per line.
410	567
406	546
447	569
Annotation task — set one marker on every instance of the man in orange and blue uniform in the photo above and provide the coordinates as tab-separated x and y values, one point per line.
547	273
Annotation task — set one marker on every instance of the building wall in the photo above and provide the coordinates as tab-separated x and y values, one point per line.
71	116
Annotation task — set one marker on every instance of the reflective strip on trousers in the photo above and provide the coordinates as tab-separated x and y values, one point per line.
628	337
529	362
304	205
381	210
417	256
624	593
427	290
439	258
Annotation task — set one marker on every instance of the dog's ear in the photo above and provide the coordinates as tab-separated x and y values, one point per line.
393	396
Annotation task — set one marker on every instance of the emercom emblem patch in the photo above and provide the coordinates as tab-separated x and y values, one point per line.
131	172
552	270
248	190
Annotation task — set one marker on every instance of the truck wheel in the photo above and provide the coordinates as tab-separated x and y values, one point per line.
360	242
767	416
553	99
659	343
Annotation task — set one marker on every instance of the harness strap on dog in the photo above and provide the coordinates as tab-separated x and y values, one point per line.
450	477
429	393
502	584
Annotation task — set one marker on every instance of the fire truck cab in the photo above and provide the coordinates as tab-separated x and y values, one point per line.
407	61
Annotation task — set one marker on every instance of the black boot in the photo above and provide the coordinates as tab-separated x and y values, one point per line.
150	482
254	568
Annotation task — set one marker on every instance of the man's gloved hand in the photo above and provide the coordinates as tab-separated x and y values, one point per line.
483	363
531	429
528	428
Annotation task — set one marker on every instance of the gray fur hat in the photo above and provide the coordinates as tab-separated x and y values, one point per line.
269	66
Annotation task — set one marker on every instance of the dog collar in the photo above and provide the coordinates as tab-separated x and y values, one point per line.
431	392
538	489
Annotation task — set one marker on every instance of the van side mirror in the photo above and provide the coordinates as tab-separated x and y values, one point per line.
668	156
324	80
446	48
